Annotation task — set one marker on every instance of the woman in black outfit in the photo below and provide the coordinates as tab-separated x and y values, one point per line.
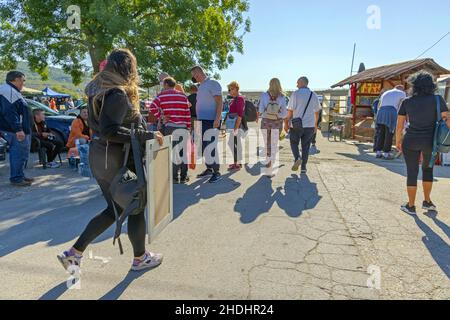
420	110
113	107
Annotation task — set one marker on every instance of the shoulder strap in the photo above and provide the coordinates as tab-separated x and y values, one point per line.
307	105
127	154
438	103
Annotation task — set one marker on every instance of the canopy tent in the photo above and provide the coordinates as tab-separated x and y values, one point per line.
50	93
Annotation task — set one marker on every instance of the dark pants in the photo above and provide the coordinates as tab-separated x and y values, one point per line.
412	150
104	176
53	147
212	159
383	139
183	167
319	120
304	136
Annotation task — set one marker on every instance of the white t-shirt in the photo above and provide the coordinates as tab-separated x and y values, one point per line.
392	98
298	102
206	104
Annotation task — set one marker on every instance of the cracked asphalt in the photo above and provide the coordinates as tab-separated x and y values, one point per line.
336	233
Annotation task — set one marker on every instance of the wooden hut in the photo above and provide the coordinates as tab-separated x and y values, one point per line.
367	86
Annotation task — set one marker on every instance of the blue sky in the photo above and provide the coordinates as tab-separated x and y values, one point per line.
290	38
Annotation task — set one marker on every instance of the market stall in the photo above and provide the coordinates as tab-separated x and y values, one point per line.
367	86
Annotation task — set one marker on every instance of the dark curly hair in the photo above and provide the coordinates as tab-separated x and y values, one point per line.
422	83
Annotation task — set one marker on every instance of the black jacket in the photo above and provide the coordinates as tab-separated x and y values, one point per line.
115	119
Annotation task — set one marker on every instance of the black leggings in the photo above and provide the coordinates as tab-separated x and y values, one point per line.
99	224
412	150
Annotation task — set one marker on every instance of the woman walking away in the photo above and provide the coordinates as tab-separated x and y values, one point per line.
113	108
272	110
236	116
420	110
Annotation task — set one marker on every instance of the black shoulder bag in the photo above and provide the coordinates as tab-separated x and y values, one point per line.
129	189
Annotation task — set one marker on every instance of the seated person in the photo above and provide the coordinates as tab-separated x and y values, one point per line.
46	138
80	129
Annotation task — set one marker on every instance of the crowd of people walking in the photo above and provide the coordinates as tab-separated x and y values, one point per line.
113	117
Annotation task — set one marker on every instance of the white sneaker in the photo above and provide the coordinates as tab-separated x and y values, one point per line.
149	261
53	165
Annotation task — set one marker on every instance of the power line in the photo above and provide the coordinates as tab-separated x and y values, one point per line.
433	45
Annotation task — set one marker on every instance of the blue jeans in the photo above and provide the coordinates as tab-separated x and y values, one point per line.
305	137
18	155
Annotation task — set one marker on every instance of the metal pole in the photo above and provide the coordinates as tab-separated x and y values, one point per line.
353	59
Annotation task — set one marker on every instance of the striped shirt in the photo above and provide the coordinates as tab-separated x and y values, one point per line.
173	106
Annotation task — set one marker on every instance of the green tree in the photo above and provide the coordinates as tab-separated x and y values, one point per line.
165	35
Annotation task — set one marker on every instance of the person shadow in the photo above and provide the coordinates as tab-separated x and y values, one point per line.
297	195
433	215
116	292
438	248
186	196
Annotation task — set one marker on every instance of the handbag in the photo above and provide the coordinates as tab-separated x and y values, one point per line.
230	121
297	123
441	141
128	189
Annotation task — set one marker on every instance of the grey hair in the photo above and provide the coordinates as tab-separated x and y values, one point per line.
304	80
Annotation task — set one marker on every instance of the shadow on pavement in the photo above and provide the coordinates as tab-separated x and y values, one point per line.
298	194
56	292
439	249
118	290
397	166
186	196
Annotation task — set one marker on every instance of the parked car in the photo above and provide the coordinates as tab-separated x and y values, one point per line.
59	124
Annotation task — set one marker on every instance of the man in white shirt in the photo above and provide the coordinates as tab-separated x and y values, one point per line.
304	108
209	112
386	121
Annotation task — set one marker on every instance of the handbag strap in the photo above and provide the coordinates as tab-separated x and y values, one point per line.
438	104
307	105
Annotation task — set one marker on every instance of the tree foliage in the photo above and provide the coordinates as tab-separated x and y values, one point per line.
165	35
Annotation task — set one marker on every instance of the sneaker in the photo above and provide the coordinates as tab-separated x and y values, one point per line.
216	177
409	210
149	261
184	180
429	206
29	180
21	184
231	167
69	258
53	165
206	173
297	165
379	155
388	156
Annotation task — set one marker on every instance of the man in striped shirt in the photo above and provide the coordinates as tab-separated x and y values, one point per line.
172	107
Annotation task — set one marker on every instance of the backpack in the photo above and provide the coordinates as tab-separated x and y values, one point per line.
272	109
251	113
441	142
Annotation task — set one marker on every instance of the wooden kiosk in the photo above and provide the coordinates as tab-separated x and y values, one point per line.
368	85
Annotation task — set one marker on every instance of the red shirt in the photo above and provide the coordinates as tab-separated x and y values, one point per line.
174	106
237	105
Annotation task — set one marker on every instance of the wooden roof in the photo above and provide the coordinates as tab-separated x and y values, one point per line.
393	71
